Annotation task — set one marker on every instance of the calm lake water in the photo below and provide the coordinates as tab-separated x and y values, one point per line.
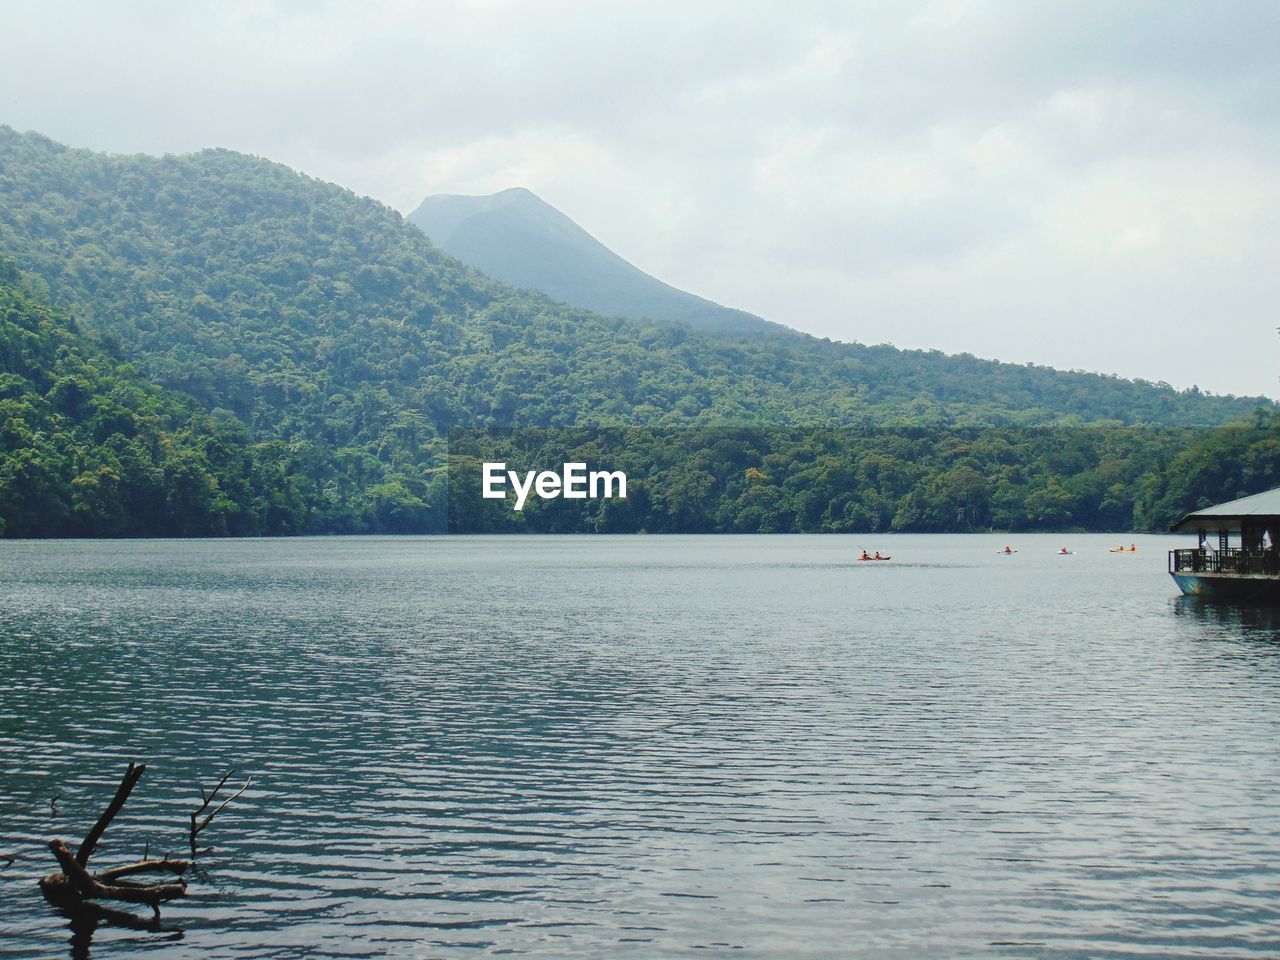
644	747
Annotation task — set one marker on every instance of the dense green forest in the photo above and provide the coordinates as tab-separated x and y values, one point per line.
89	448
310	352
752	480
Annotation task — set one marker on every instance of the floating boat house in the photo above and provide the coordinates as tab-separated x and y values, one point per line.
1237	558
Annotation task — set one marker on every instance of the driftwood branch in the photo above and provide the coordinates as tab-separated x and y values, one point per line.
196	823
91	888
177	867
75	884
131	778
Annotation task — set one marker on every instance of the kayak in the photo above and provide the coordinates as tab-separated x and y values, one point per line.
1121	550
875	558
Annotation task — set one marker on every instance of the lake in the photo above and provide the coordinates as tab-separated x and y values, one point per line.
645	747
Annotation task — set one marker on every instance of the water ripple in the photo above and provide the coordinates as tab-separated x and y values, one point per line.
646	747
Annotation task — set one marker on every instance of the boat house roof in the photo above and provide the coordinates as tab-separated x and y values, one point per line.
1229	515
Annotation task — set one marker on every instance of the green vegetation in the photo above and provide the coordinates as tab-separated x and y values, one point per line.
312	350
89	449
1215	466
843	481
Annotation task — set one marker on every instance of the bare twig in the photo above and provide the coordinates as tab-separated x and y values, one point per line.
196	823
131	778
208	798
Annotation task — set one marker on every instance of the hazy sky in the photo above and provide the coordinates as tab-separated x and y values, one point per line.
1083	184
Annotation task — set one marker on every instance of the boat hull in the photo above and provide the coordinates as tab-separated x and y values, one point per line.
1232	588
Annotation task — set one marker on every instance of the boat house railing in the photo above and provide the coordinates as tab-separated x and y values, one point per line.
1233	560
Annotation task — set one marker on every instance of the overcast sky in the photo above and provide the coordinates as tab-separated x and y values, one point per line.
1090	185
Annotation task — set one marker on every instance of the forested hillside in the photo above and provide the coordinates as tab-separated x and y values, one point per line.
309	311
87	448
332	347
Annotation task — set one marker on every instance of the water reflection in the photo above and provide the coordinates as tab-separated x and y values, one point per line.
85	919
1225	620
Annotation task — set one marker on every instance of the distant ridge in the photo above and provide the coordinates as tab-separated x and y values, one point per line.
518	238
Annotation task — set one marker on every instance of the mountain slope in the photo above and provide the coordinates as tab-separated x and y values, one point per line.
516	237
315	315
89	449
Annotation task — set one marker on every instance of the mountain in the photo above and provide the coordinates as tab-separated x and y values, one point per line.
518	238
343	349
283	299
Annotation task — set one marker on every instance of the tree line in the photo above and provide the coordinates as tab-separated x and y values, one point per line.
821	480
